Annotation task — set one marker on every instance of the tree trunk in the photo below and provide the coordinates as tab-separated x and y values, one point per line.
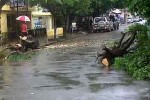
117	51
67	24
55	28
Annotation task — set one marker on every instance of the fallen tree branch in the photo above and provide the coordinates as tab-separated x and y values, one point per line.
117	51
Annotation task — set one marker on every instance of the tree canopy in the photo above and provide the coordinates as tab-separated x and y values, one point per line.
101	6
61	6
140	6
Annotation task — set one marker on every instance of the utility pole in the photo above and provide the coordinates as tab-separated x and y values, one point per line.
27	3
17	16
125	15
17	8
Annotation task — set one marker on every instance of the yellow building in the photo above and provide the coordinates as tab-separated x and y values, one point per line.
9	25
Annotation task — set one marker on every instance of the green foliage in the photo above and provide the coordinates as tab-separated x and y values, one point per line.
82	7
138	27
101	6
56	7
119	3
140	6
137	64
76	7
148	32
19	57
22	57
142	35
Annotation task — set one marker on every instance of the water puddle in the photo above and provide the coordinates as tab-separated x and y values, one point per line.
63	80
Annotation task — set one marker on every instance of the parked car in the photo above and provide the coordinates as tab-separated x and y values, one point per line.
142	22
136	19
129	20
102	23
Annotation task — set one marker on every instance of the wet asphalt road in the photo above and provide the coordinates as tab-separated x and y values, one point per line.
67	71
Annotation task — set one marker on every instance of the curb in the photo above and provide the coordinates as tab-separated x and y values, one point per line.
59	40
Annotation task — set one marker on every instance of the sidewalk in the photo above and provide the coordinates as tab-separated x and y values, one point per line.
44	41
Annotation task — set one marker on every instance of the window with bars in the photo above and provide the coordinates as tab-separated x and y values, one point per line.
21	3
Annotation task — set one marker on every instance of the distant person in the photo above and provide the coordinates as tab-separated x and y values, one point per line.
24	29
38	23
74	27
112	18
91	22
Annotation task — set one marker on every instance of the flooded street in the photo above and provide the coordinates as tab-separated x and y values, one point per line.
67	71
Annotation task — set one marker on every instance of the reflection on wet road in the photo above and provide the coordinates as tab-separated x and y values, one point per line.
67	71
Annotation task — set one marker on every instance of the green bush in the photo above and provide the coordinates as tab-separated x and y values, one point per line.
137	64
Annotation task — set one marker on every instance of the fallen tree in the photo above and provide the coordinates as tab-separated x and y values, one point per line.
27	42
123	47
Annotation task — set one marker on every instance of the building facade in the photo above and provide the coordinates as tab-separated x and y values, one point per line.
10	27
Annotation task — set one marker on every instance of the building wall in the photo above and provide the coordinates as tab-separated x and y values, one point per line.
3	20
7	10
44	17
6	7
51	22
3	23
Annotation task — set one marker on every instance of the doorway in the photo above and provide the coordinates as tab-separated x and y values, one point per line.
12	26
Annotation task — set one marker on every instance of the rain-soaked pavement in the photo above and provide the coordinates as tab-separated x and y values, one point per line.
67	71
